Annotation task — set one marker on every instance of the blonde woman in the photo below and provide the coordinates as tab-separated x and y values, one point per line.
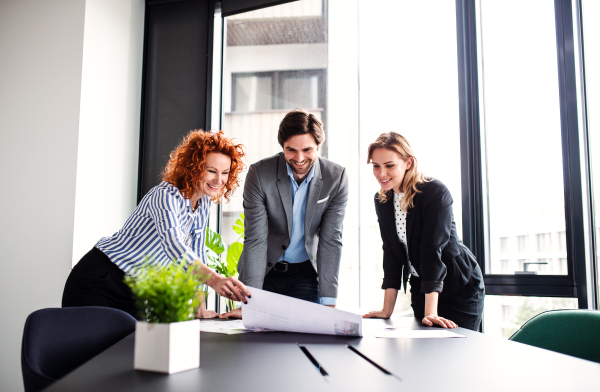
419	239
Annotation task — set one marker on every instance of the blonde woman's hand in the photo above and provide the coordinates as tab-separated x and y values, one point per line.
377	314
431	319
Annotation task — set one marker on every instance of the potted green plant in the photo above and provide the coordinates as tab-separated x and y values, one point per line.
169	340
228	266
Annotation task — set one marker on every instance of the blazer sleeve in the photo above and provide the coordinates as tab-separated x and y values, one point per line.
254	257
392	267
329	253
437	224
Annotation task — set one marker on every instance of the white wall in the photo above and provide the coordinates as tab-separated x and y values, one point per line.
41	93
107	161
41	48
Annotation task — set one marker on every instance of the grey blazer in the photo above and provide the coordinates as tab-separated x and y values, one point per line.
268	220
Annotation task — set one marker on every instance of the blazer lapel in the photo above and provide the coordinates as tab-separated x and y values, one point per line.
389	216
314	191
410	219
285	191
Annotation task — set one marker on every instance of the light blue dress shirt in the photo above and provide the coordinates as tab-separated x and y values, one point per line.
296	252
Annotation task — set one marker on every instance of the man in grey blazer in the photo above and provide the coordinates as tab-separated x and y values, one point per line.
294	206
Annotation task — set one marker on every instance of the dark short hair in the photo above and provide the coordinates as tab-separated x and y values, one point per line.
300	122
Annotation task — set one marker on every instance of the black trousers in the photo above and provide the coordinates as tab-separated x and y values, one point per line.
464	307
300	280
97	281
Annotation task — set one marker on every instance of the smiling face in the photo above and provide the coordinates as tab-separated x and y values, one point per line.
300	153
389	169
215	176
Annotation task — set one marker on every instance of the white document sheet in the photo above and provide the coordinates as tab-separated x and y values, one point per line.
414	333
228	327
281	313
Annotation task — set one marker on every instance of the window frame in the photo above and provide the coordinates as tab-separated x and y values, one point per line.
575	284
277	79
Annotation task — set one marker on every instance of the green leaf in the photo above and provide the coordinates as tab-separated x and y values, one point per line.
238	226
233	256
214	241
166	294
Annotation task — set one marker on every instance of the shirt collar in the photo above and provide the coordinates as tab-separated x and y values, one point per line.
189	204
309	177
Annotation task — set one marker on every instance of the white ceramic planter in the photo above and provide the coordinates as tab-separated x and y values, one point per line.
167	348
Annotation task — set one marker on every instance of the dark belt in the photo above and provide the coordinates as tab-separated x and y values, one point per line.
284	266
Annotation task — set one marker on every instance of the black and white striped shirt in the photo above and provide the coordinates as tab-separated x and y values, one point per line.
162	228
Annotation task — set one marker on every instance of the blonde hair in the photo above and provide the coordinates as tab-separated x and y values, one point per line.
412	178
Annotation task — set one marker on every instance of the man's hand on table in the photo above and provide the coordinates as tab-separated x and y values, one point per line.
235	313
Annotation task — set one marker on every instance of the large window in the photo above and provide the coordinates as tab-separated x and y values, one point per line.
312	54
496	127
521	135
526	208
275	60
408	84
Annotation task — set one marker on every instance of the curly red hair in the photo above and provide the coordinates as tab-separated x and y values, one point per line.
187	162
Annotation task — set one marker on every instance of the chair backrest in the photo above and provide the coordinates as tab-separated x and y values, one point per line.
572	332
58	340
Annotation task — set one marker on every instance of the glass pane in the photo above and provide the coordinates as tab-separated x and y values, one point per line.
310	51
300	92
522	138
276	59
591	41
253	93
408	84
504	315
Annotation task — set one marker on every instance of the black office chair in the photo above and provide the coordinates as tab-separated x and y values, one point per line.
56	341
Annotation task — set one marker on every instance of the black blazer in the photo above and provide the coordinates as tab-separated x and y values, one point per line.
440	258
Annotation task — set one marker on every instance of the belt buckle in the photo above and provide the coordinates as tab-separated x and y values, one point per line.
285	264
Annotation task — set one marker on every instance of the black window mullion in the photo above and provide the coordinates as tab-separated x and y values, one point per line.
574	211
468	89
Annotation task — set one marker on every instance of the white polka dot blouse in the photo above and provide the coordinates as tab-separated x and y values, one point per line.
400	217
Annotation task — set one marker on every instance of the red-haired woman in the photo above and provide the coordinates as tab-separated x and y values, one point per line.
419	239
169	224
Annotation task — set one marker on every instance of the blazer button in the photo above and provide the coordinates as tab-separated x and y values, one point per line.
270	264
283	247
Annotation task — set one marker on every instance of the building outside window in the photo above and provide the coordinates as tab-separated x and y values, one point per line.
544	242
523	243
504	244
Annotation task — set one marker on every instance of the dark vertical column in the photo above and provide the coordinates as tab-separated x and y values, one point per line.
175	82
470	145
573	176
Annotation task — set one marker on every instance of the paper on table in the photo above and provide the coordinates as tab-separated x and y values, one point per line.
229	327
282	313
414	333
